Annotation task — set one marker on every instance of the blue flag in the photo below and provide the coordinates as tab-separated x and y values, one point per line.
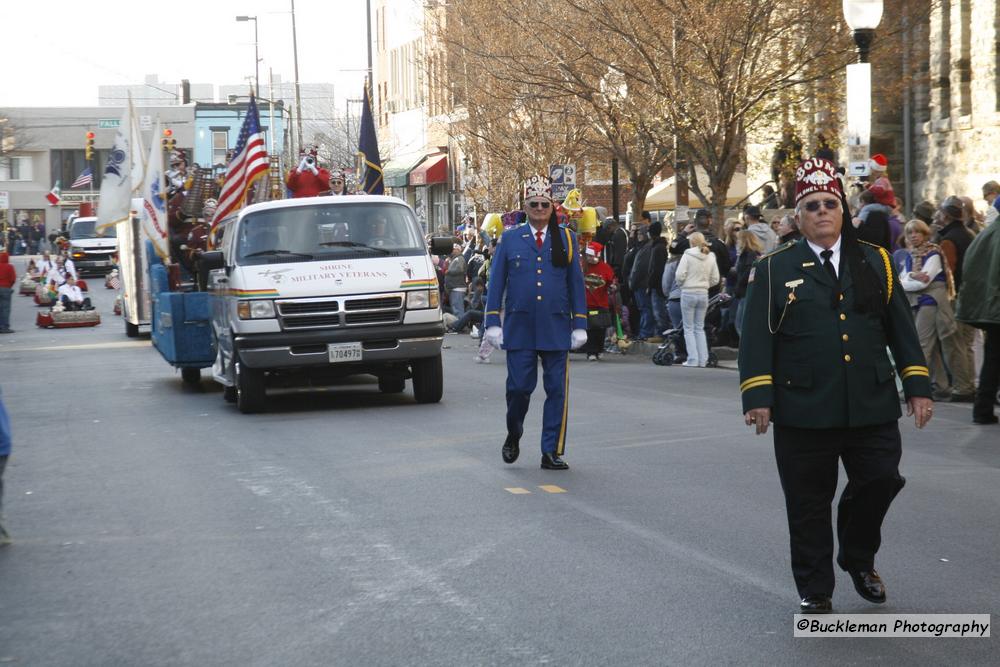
371	182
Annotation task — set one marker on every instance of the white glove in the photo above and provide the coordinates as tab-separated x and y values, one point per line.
578	338
303	165
494	336
313	169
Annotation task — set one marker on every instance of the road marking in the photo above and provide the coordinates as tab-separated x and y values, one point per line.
667	441
83	346
552	488
516	490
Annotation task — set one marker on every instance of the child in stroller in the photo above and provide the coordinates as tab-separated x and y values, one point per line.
673	351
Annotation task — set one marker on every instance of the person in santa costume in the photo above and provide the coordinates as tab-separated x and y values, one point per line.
308	179
599	280
878	165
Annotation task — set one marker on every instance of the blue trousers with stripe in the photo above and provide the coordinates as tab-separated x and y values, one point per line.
522	377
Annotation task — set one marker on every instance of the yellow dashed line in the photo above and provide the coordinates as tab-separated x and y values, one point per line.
83	346
552	488
516	490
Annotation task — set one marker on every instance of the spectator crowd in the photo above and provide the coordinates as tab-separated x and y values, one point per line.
649	282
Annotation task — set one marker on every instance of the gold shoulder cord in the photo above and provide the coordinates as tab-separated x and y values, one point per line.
888	268
888	273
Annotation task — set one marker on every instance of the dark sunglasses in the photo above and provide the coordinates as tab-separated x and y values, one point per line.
829	204
539	204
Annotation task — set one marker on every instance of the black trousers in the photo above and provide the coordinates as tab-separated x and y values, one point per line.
808	467
989	374
72	305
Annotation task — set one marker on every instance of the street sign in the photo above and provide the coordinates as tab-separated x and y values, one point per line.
4	200
857	156
108	123
563	178
145	122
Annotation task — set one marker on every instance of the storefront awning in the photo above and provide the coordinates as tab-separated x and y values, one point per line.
396	171
432	170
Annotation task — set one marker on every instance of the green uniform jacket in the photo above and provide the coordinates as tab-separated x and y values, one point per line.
817	366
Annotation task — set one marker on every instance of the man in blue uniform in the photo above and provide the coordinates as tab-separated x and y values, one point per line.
537	280
820	314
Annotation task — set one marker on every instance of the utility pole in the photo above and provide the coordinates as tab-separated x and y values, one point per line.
368	18
298	93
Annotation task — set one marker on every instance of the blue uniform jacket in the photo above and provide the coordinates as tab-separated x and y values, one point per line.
544	303
5	439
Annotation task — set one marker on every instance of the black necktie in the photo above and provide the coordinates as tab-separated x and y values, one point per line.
828	265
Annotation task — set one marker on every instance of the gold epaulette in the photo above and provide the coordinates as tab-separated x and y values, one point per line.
780	248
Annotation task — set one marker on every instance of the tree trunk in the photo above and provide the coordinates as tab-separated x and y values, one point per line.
640	186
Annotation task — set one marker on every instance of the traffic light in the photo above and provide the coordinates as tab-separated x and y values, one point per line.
168	140
88	151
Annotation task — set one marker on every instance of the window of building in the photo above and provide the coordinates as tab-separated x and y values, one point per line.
963	65
220	146
943	82
66	165
16	168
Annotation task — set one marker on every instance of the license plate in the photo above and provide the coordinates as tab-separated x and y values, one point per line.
102	263
340	352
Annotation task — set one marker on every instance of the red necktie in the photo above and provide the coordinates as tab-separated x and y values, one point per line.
538	240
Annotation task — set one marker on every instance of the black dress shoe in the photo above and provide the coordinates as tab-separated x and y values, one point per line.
962	398
510	449
816	604
869	585
987	419
551	461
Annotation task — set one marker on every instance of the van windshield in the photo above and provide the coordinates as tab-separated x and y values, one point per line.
324	231
86	229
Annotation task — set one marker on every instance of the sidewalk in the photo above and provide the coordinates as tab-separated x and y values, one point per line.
727	355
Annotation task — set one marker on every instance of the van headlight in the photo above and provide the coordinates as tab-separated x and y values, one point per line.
425	298
257	309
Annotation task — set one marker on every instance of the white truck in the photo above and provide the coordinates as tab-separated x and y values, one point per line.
318	288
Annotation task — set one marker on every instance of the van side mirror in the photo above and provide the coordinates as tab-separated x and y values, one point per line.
212	260
442	245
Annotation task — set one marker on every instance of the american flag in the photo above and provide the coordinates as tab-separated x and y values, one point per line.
86	177
248	164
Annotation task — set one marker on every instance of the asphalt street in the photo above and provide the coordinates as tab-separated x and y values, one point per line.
154	524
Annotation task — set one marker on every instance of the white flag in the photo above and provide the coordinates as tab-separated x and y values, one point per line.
116	179
154	206
138	152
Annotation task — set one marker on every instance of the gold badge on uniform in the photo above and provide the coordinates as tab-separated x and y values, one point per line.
794	283
808	263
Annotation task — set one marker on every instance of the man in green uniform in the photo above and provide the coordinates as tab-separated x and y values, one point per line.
820	315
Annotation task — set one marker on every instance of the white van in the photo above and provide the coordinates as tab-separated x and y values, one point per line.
90	250
317	288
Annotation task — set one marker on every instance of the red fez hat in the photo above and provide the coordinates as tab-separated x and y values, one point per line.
594	248
816	175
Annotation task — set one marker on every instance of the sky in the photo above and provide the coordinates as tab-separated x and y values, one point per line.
57	52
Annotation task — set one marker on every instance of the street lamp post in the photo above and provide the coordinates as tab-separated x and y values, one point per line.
862	16
298	94
256	53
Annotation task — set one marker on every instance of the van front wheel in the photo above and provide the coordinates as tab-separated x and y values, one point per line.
428	379
250	393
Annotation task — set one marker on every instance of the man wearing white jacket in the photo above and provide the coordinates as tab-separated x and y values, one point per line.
696	274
